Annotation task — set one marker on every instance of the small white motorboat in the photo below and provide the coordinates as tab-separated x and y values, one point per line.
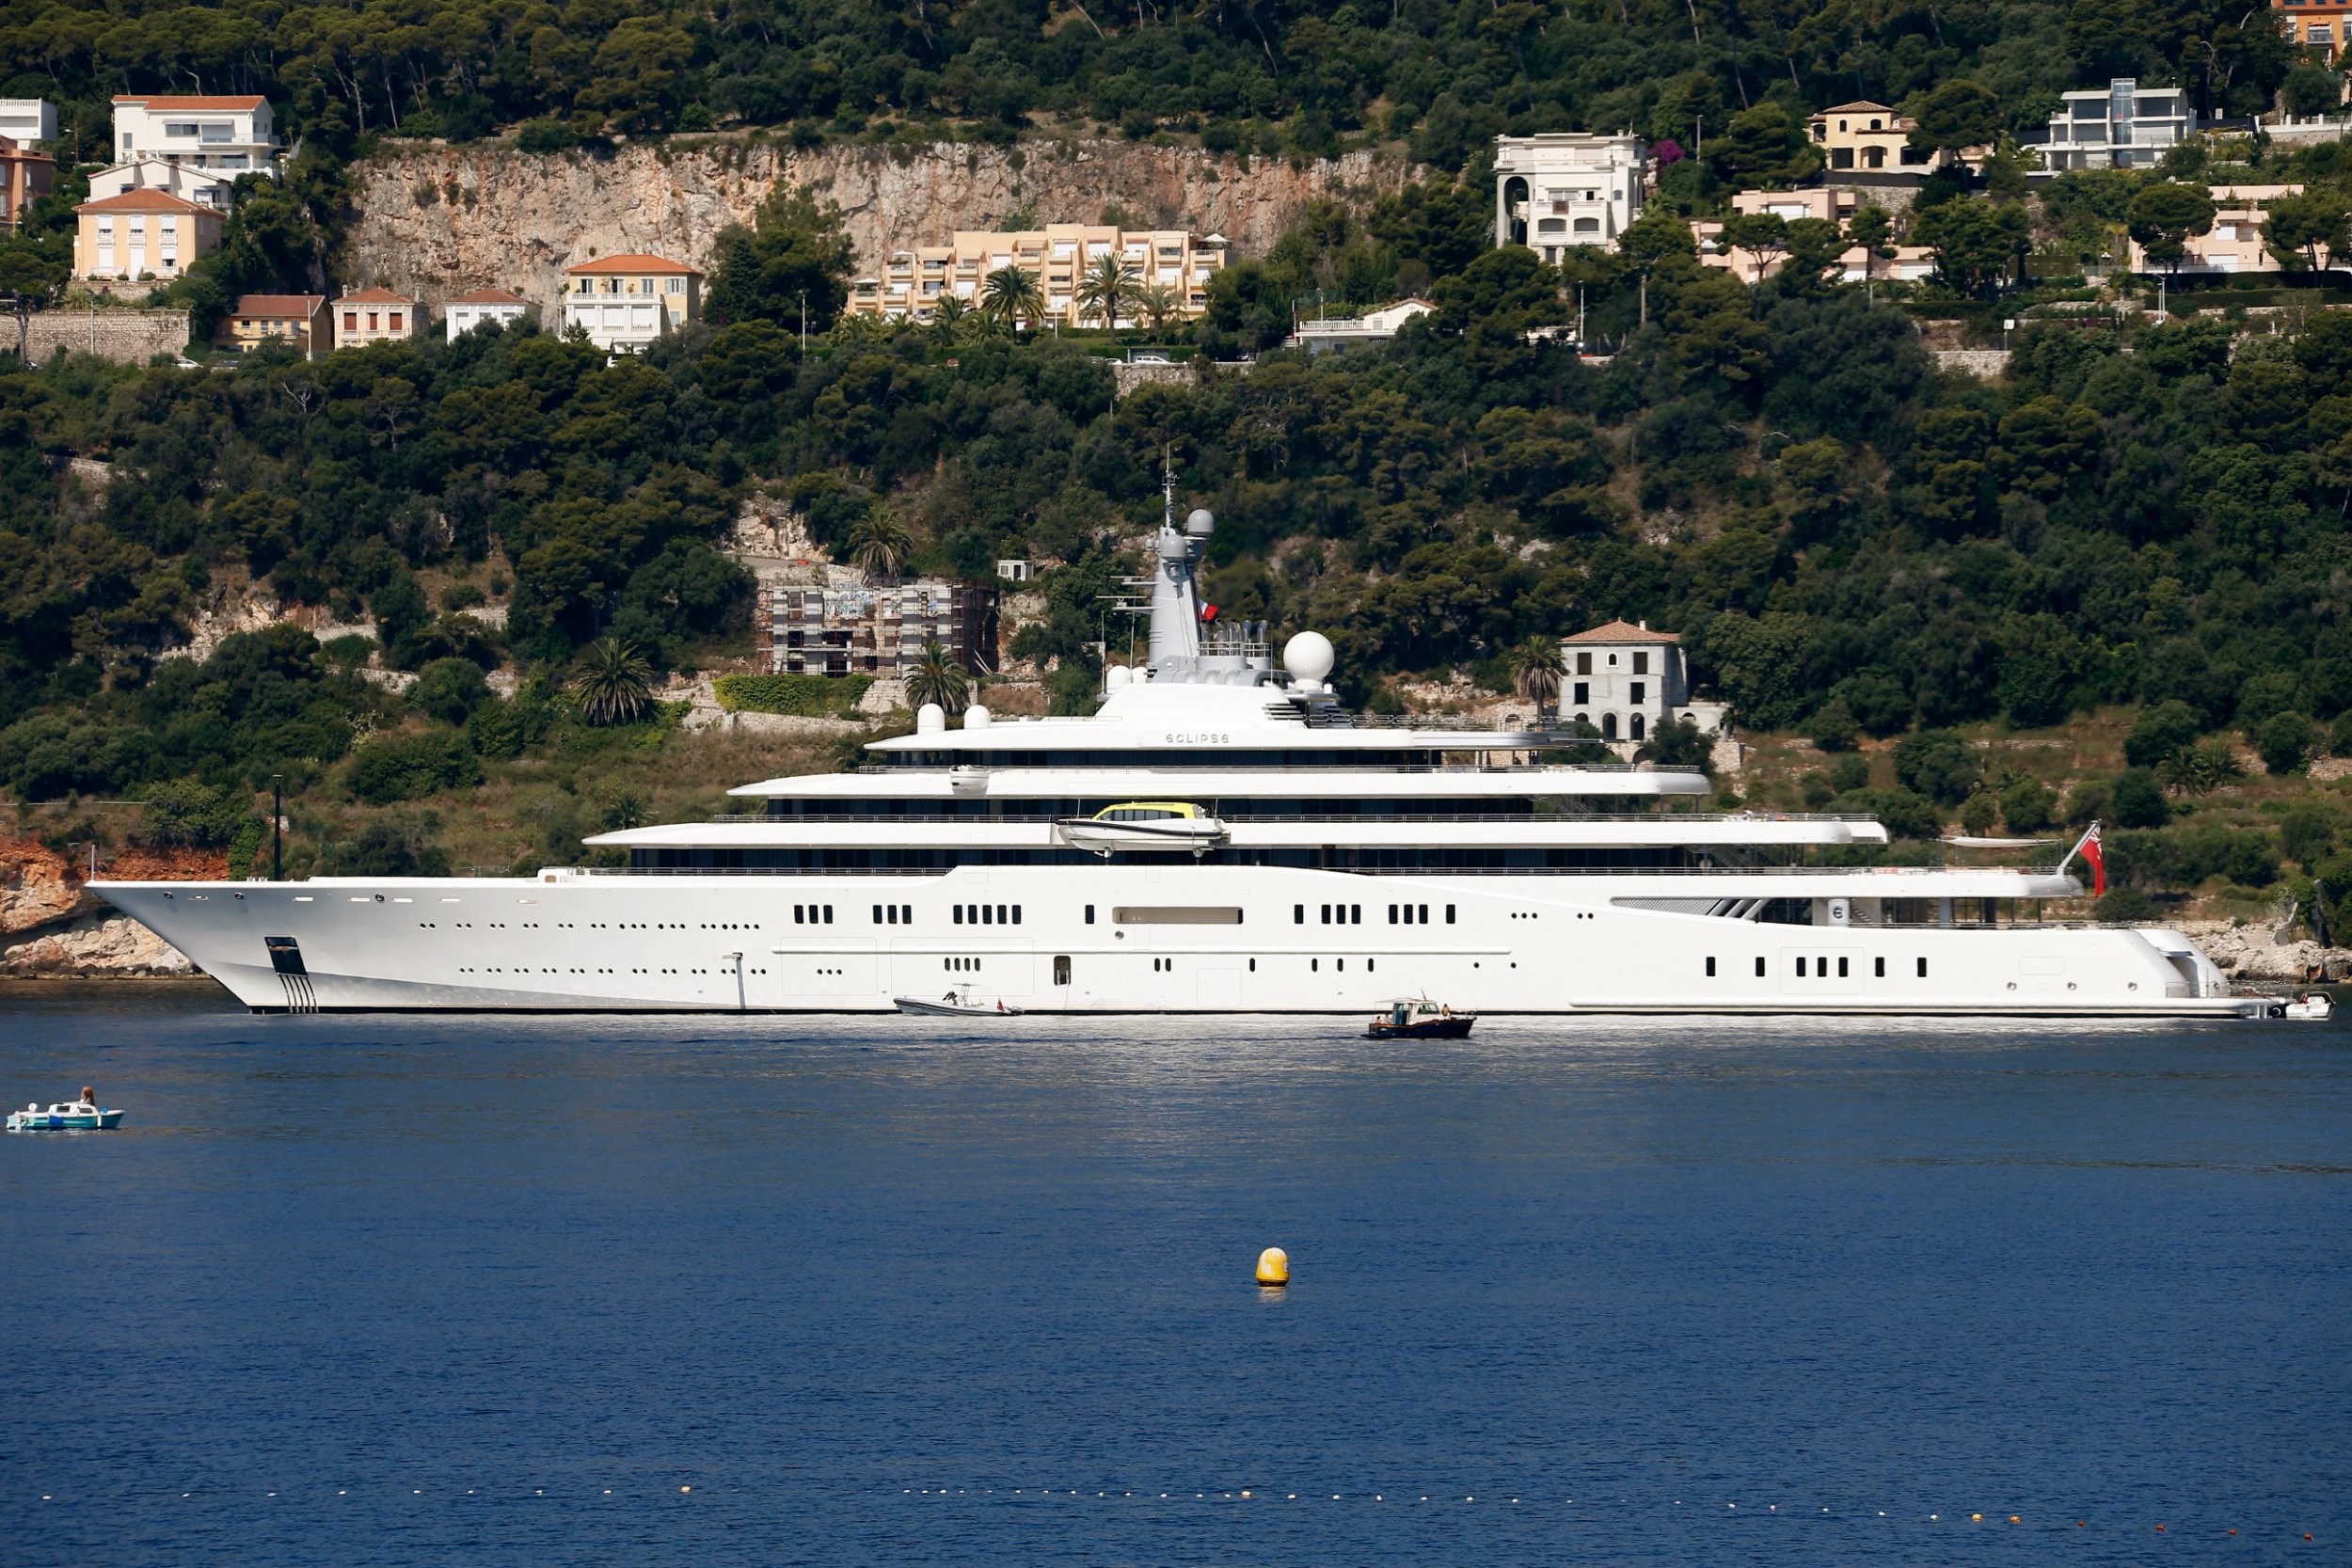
1148	826
68	1115
954	1005
2313	1007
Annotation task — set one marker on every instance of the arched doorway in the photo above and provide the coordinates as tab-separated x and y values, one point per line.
1514	214
1635	727
1608	726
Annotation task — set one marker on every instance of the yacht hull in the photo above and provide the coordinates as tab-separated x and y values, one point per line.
1126	938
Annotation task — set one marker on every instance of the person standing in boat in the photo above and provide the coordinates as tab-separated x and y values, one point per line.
89	1096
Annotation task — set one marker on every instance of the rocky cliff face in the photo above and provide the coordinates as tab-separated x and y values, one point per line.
52	926
437	221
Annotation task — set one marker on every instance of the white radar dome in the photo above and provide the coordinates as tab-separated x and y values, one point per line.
930	718
977	717
1116	677
1201	523
1309	657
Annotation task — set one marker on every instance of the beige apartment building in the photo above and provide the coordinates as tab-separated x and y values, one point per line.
872	632
1828	203
376	316
911	283
141	235
2234	245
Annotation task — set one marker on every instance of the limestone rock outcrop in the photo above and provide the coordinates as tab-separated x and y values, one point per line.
435	220
96	948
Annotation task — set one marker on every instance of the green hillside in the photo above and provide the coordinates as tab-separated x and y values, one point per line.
1858	549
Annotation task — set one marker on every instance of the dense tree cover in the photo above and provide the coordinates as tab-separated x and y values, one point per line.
1265	75
1850	541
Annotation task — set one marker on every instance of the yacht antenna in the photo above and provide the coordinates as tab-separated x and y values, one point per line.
1167	488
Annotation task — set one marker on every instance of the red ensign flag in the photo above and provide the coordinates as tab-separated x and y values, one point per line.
2098	861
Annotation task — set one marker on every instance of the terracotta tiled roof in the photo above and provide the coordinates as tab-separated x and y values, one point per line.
278	304
487	296
1860	106
158	101
634	264
1623	631
12	148
146	202
375	296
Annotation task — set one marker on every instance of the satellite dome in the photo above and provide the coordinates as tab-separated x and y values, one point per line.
977	717
1201	523
1116	677
930	718
1309	657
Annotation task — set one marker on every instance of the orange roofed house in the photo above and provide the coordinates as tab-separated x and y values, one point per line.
376	316
624	303
259	319
150	234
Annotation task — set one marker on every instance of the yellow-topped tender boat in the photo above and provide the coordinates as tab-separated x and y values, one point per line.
1148	826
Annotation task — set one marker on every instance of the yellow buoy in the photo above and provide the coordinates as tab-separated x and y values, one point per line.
1274	1267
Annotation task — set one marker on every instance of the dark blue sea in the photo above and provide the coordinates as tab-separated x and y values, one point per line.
440	1290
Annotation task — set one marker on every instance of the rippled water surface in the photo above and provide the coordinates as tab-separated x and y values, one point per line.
430	1291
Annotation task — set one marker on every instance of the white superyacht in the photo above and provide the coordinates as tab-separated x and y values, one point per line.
1219	836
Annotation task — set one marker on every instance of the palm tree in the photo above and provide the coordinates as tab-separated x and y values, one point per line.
938	679
1536	671
1108	286
948	318
615	684
880	543
1160	303
1013	298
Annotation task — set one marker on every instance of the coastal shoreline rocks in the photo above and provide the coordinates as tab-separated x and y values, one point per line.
2255	953
120	948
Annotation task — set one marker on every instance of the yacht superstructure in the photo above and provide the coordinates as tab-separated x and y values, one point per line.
1344	862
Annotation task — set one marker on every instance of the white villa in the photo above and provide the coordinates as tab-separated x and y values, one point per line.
1563	189
1626	680
479	306
230	136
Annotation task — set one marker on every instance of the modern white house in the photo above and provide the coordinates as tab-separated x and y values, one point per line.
234	135
1566	188
2122	125
1626	680
28	122
1319	335
624	303
482	307
206	187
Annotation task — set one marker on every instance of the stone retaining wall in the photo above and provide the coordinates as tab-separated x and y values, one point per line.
126	337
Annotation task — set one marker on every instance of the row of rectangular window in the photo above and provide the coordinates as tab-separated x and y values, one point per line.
812	914
1820	969
965	914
